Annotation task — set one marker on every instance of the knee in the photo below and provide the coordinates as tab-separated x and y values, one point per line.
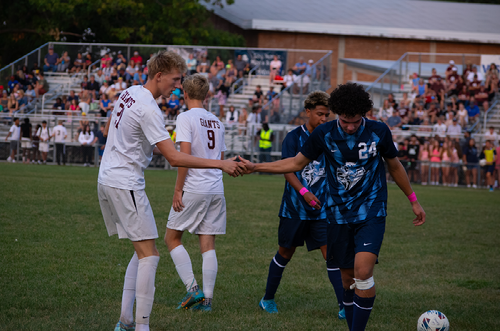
363	273
287	253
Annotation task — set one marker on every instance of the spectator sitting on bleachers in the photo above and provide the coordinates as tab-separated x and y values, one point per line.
240	64
12	82
136	58
392	101
231	73
30	93
232	115
73	107
12	105
131	70
88	61
22	101
421	88
463	115
204	66
72	96
84	82
274	68
105	106
106	61
173	107
100	77
93	87
492	85
449	69
385	111
63	62
191	64
300	67
84	104
394	121
59	105
258	95
472	110
41	85
289	79
474	72
474	85
440	128
78	63
454	130
482	98
270	94
140	77
120	59
120	85
301	85
492	135
163	105
50	60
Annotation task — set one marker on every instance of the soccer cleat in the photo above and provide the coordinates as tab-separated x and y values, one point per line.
269	306
203	308
120	326
342	314
191	298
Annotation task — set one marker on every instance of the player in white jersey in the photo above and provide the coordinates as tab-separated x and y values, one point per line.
44	134
198	205
136	126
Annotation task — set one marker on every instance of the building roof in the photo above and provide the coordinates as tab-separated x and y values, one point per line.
407	19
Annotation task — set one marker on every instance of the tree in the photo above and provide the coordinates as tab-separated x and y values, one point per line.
175	22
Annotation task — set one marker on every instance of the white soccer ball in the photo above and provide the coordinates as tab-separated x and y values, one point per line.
433	320
482	162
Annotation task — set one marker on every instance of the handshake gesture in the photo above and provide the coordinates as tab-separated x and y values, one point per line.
237	166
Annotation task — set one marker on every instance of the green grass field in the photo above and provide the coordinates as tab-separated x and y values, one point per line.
60	270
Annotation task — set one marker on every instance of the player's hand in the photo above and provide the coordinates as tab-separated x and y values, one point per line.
250	167
312	200
419	212
233	168
177	201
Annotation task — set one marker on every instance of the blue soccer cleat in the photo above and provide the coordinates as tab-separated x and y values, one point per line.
269	306
203	308
342	314
120	326
191	298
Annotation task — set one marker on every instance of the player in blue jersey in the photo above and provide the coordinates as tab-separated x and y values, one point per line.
302	212
354	149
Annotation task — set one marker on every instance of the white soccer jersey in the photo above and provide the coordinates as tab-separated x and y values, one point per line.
60	134
136	126
44	133
206	134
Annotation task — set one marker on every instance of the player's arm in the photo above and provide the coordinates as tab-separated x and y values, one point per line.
310	198
398	173
291	164
181	177
178	159
106	128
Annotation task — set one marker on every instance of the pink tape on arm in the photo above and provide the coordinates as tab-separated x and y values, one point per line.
303	191
412	197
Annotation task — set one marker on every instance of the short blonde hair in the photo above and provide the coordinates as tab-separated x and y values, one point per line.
196	86
166	62
316	98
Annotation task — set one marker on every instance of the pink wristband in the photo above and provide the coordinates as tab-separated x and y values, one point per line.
412	197
313	203
303	191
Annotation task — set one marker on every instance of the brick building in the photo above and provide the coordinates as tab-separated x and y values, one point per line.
364	29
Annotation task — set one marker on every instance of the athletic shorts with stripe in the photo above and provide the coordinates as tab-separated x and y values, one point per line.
127	213
202	214
294	232
345	240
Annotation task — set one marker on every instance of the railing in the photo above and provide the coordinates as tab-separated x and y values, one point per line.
398	73
24	60
324	84
486	117
92	65
242	79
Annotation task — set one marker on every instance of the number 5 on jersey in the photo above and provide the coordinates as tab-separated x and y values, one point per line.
363	153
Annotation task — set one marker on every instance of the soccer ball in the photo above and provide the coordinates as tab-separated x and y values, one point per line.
482	162
433	320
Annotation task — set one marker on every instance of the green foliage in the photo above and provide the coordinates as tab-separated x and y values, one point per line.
60	270
29	23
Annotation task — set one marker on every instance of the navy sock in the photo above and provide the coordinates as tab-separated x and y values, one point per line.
348	306
336	280
276	269
361	312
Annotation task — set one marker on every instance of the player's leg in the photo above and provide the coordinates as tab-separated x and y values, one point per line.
148	258
209	268
368	241
347	275
212	224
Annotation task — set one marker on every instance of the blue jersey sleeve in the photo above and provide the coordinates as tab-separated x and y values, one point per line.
290	146
313	147
387	148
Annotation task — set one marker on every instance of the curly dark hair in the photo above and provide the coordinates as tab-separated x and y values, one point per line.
316	98
350	100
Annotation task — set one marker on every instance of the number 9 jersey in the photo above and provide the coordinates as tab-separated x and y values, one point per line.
206	134
355	168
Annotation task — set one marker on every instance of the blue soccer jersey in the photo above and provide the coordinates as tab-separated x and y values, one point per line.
355	168
313	178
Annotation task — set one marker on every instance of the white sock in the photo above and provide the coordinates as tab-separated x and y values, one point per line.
145	289
209	273
128	297
184	267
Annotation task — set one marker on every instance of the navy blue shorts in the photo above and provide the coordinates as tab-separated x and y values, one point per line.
489	168
293	233
345	240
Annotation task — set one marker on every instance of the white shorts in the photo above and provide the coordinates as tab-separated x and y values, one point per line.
202	214
25	142
127	213
43	147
